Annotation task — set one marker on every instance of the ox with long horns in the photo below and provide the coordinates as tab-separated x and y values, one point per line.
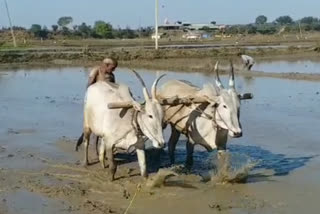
207	123
123	127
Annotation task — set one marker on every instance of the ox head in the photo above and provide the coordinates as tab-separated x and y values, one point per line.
227	106
151	114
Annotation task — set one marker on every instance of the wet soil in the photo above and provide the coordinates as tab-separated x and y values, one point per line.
74	55
297	66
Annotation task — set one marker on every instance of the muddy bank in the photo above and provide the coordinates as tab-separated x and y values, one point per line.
187	60
204	65
75	55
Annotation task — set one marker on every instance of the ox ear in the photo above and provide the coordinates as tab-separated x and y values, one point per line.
212	100
137	106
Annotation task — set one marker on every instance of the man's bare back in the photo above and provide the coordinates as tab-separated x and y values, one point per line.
104	72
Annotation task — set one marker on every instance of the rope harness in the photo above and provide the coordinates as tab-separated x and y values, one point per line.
209	117
135	124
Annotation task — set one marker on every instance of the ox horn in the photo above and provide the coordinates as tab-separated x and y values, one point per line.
231	78
154	87
218	81
145	91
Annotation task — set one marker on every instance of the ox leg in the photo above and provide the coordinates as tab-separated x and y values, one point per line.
221	154
79	142
86	139
102	153
224	163
189	161
172	143
97	144
112	162
142	160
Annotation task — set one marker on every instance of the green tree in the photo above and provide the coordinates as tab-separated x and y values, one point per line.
284	20
145	32
84	30
35	29
129	33
267	29
65	31
38	31
251	29
309	20
260	20
64	21
103	29
316	27
54	28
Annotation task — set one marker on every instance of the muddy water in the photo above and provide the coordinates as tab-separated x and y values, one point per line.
41	115
309	66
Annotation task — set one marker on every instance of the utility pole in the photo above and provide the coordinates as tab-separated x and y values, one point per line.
300	30
156	23
11	29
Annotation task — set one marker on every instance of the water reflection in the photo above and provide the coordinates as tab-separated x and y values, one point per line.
289	66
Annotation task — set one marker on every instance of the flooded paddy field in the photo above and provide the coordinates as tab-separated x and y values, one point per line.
41	119
303	65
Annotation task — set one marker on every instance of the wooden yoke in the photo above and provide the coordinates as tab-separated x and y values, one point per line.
174	101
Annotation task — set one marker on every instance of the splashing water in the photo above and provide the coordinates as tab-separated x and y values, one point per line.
230	167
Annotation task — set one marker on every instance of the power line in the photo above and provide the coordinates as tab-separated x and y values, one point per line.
156	24
11	29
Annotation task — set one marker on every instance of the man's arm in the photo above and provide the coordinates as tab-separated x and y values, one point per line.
92	76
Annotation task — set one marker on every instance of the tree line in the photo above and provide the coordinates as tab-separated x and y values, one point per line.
105	30
279	25
100	30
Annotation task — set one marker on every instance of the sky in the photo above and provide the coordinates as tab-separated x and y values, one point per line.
136	13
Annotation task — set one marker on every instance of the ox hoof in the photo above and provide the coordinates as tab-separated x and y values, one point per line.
145	176
188	168
111	178
85	163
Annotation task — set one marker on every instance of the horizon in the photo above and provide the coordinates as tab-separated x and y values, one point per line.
47	12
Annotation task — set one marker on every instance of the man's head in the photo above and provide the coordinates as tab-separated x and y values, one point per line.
111	64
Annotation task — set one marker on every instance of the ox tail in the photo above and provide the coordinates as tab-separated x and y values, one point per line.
79	142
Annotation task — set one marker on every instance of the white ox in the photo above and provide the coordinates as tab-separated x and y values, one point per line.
121	128
207	124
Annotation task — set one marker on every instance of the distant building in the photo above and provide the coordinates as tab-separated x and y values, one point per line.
168	27
160	35
190	31
186	26
192	36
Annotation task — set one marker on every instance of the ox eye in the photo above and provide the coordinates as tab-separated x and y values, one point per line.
150	116
224	106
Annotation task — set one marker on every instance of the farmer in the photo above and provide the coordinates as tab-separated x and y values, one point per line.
104	72
248	61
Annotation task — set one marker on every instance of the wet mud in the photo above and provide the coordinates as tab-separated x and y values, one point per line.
77	189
